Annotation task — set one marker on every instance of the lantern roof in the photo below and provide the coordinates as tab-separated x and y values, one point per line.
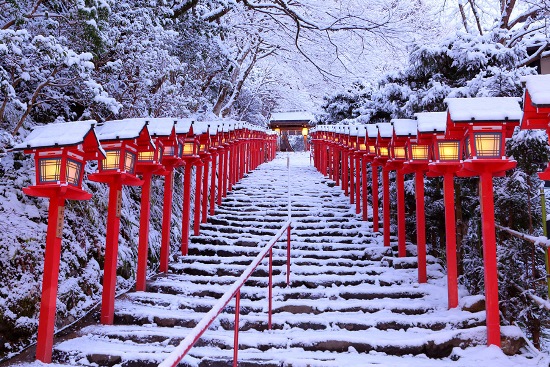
430	122
213	129
59	135
121	129
183	126
200	127
538	88
161	126
372	131
484	109
385	130
354	130
404	127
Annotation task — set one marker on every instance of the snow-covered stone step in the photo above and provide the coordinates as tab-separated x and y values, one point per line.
146	347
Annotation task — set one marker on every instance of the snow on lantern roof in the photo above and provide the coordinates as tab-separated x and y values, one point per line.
292	116
484	109
161	126
361	130
385	129
539	89
354	130
200	127
121	129
60	134
183	126
404	127
372	131
214	126
431	121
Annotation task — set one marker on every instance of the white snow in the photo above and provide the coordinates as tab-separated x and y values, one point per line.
385	129
404	127
431	121
372	131
291	116
61	134
161	126
120	129
484	109
538	87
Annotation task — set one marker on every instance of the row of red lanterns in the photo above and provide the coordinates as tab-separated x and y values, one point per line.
130	152
467	140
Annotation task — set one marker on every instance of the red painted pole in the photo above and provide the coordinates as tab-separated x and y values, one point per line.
337	162
490	259
221	173
270	291
352	176
375	218
143	242
111	251
236	332
450	230
288	256
166	220
386	205
358	183
186	209
345	171
226	170
213	183
198	198
401	236
52	256
420	226
364	190
205	180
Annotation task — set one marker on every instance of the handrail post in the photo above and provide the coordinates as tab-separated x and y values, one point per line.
236	335
270	301
288	255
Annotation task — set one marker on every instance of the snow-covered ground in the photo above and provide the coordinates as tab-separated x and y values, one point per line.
346	305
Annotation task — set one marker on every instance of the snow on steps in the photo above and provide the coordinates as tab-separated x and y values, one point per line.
351	303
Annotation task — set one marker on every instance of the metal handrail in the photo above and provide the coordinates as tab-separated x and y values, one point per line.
234	291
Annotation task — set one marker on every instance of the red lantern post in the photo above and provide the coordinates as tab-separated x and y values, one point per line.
190	157
201	167
60	152
419	155
122	141
171	159
403	129
486	123
149	163
361	194
215	139
371	137
385	133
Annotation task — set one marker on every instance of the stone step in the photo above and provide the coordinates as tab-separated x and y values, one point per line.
105	349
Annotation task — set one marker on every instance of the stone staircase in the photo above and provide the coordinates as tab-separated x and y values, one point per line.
350	303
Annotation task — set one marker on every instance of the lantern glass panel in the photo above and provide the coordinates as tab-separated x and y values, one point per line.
372	149
488	145
129	162
449	150
111	161
383	151
399	153
169	150
420	152
363	147
146	156
73	171
50	169
305	131
189	148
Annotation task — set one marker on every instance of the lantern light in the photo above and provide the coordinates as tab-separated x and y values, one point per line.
305	131
448	150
